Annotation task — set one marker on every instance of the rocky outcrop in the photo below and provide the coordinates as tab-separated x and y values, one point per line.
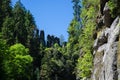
106	48
107	53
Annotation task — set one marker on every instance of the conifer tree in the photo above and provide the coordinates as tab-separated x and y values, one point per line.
5	10
3	52
42	37
19	28
30	27
8	30
77	9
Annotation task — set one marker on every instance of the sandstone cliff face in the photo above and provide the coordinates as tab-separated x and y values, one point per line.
107	49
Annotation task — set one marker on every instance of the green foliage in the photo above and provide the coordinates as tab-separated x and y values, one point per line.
74	30
51	63
3	54
51	40
112	7
42	37
77	9
18	62
18	49
30	26
5	10
72	51
84	65
19	28
7	30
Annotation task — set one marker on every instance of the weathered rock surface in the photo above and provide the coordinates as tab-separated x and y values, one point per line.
107	53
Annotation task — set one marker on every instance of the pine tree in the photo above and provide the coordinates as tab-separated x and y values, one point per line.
8	30
3	54
30	27
42	37
74	30
51	40
77	9
19	29
5	10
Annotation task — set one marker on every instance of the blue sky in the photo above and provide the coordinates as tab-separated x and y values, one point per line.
52	16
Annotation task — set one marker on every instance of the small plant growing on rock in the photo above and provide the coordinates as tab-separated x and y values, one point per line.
112	6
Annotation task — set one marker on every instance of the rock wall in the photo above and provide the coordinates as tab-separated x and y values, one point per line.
107	49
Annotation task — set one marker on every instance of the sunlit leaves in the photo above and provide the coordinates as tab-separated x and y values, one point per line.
85	65
17	62
86	40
